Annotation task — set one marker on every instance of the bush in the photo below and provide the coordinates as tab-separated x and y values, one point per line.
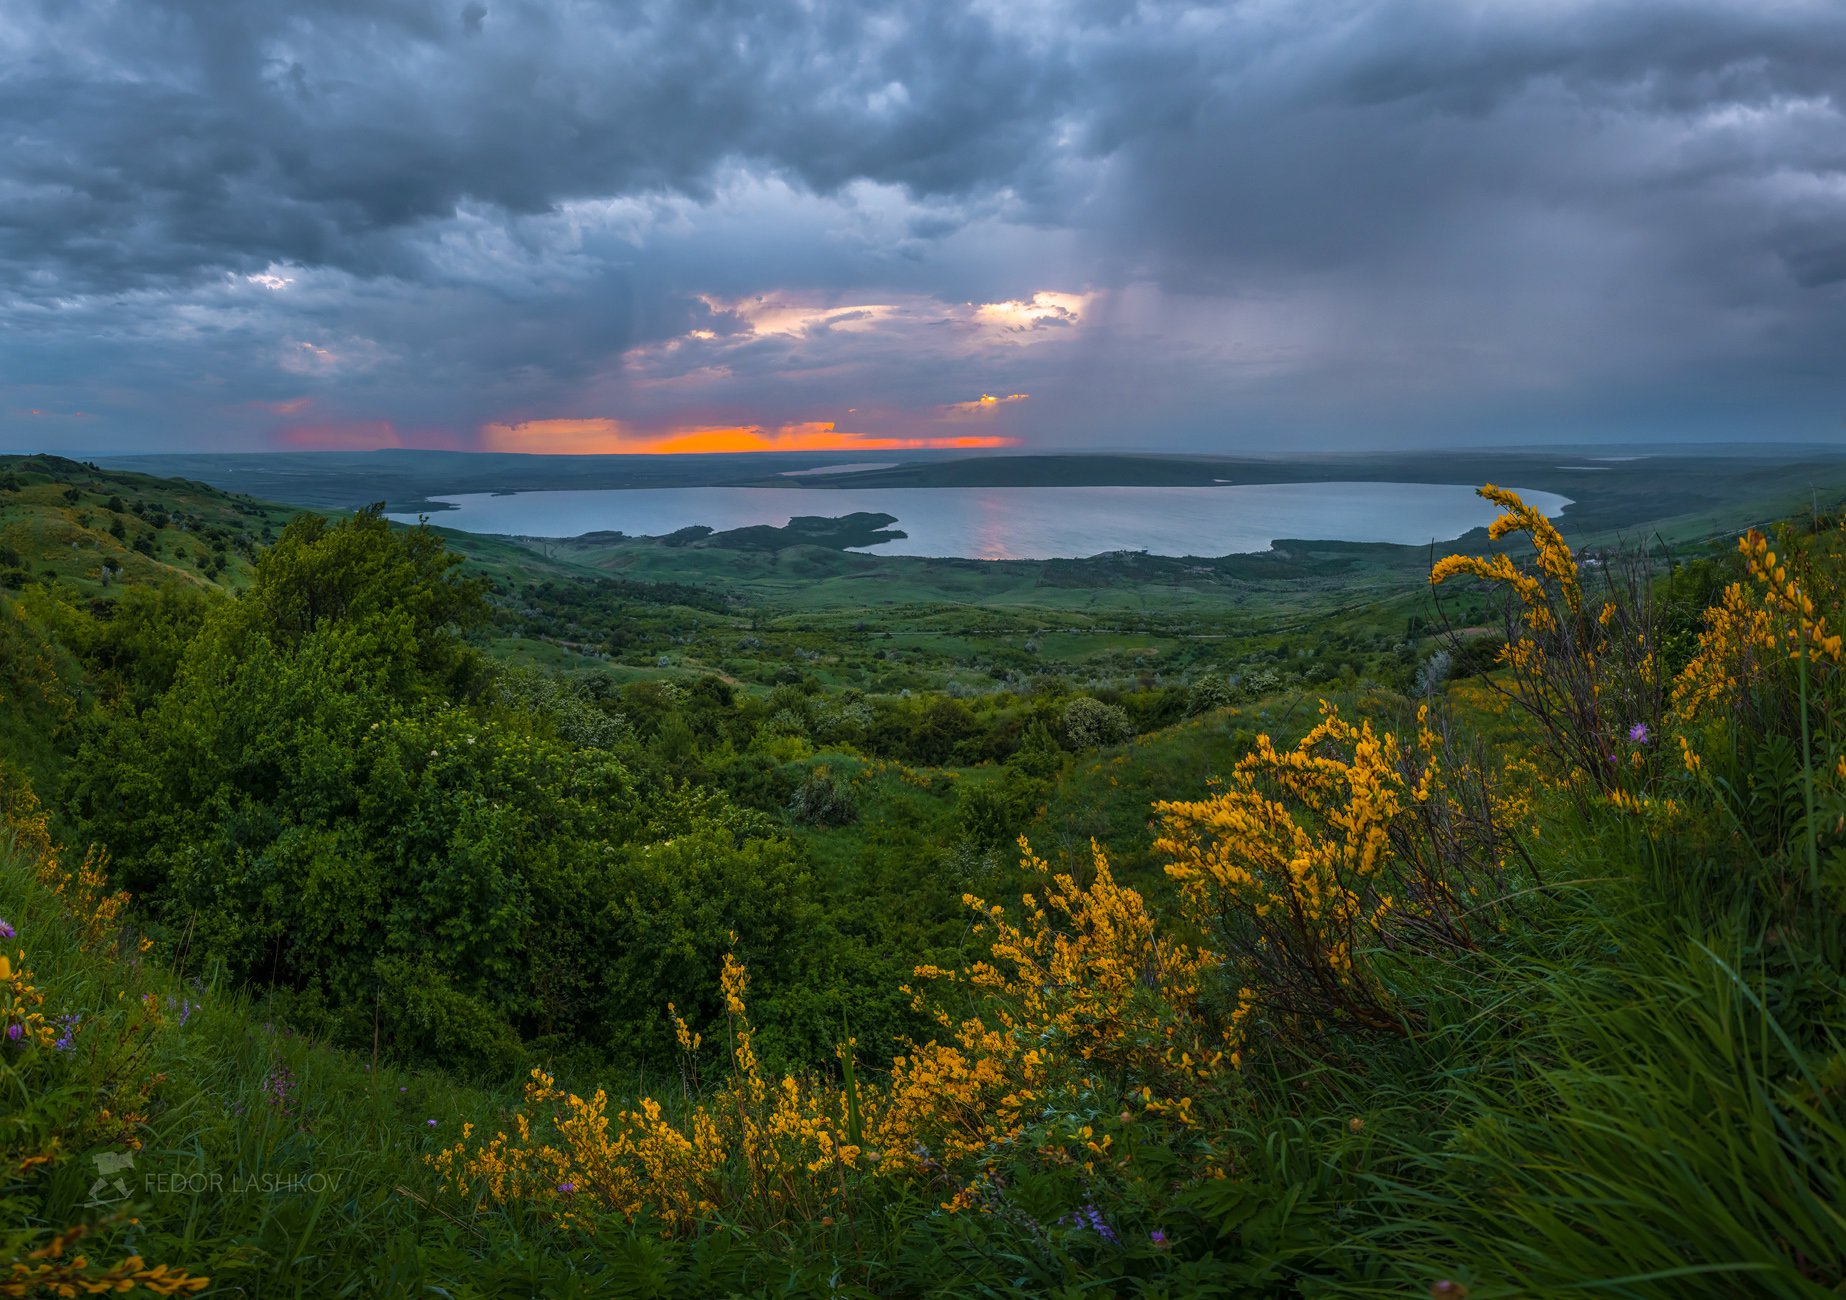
1009	1090
1433	672
1583	664
1089	723
418	1005
314	804
1210	692
991	815
823	799
1314	860
758	781
565	706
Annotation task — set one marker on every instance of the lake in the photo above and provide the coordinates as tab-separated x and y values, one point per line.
1016	523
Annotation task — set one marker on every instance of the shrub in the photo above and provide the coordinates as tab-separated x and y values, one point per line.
1433	672
1311	860
75	1080
83	889
1210	692
1039	755
990	815
418	1004
1582	666
1765	686
1089	722
822	799
565	705
1765	644
1078	1011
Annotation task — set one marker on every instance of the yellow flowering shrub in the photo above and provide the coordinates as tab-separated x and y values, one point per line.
83	888
1754	631
1582	666
117	1093
1309	859
1765	682
49	1271
1079	1004
777	1149
23	822
1545	606
1079	1007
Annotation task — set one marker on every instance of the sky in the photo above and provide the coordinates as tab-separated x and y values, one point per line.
1247	227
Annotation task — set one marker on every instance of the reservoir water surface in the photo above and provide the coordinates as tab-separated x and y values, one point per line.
1016	523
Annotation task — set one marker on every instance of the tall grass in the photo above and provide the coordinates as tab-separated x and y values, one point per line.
1628	1116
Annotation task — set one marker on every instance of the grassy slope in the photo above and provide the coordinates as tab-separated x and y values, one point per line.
1615	1096
270	1163
56	526
69	540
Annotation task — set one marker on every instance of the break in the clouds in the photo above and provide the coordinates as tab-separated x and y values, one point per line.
814	224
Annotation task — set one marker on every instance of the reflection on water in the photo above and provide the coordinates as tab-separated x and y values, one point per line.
1019	523
992	542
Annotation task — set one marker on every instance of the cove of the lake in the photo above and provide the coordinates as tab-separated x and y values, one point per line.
1016	523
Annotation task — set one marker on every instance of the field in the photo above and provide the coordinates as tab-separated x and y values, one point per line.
431	913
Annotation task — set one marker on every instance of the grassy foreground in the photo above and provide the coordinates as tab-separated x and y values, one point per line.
1531	987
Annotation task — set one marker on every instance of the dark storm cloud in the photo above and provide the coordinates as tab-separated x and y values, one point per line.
1366	125
441	214
177	136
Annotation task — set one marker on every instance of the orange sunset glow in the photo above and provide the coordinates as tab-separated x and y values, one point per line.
602	436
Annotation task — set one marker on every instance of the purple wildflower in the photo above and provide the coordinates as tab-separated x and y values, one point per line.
1159	1239
430	1122
1090	1217
1638	733
279	1088
6	931
13	1031
567	1188
68	1038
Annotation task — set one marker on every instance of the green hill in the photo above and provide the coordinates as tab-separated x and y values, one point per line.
382	918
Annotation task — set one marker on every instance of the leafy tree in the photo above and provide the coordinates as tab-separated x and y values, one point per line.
322	800
399	586
571	708
140	643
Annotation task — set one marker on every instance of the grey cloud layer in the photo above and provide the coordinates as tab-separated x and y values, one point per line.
483	206
177	136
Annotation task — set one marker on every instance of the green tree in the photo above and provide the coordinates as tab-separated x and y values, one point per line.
318	803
